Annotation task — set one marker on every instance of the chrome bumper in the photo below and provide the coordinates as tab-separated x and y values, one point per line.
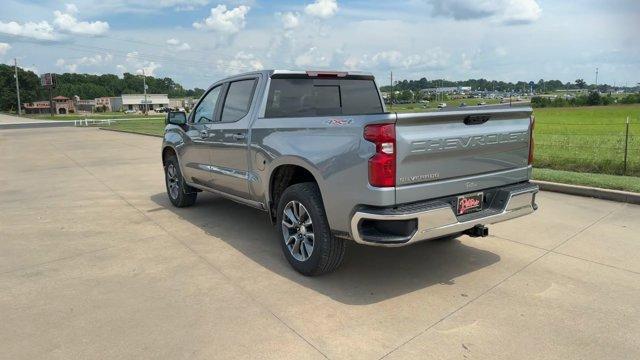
440	220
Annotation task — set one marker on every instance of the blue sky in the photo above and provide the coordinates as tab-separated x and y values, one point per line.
198	41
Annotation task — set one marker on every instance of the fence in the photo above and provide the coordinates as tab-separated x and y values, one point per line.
609	148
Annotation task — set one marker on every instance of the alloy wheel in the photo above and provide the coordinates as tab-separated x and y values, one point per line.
172	181
297	230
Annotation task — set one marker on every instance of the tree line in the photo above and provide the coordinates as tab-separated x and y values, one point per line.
86	86
494	85
592	99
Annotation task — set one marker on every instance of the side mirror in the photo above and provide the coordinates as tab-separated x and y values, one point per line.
176	118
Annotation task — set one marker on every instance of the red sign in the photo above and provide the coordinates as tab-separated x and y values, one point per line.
48	79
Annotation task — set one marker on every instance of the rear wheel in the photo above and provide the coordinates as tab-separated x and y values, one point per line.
307	241
180	194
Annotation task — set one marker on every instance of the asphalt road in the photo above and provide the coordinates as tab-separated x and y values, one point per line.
95	263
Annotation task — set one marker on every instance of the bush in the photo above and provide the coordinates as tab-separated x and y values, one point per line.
630	99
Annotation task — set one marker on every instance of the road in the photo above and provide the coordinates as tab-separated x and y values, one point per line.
95	263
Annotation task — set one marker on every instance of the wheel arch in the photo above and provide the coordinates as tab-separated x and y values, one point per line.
167	151
284	175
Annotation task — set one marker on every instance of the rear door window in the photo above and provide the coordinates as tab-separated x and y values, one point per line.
238	100
303	97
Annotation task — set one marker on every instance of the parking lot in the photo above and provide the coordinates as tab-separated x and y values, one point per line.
95	263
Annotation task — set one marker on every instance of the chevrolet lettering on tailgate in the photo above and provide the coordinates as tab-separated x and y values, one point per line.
468	142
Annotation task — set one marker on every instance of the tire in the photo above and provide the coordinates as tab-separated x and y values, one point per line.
180	194
300	214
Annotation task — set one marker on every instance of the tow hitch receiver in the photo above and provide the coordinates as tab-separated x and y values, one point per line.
478	231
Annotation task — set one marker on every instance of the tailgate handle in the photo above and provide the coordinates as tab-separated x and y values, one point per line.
476	119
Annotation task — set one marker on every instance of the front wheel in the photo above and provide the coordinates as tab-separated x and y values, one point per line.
307	241
180	194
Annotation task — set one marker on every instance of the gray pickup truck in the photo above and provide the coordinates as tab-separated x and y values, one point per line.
319	153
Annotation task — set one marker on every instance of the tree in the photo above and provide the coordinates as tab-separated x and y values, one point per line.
594	98
417	96
581	83
30	89
86	86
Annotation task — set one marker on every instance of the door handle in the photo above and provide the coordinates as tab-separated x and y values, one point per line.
204	133
238	136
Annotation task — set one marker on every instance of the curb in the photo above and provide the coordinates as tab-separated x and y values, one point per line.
594	192
129	132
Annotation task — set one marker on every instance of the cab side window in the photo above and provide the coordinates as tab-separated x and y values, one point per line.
206	110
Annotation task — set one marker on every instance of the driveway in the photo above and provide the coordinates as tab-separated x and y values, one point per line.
95	263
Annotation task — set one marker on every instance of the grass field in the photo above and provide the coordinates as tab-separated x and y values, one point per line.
587	140
153	126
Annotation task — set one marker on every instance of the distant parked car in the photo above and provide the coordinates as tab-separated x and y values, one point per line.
129	111
442	105
463	104
482	103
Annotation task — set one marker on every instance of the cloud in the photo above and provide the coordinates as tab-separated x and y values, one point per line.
140	66
242	62
4	47
71	8
95	60
224	21
466	63
434	59
63	22
175	44
311	58
67	22
322	8
521	12
290	20
69	67
509	12
37	31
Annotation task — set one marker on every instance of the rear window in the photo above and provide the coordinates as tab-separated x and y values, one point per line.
300	97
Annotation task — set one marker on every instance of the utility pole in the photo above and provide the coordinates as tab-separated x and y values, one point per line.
15	67
144	83
596	78
391	94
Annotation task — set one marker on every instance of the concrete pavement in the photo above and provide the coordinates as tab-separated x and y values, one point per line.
95	263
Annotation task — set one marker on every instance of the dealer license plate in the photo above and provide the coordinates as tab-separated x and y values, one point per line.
469	203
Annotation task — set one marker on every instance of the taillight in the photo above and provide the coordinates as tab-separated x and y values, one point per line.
532	124
382	165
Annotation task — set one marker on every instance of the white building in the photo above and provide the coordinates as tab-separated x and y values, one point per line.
137	102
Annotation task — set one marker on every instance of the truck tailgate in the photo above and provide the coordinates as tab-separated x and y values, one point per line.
453	152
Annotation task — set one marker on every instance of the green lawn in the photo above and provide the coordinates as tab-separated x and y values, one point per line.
588	139
626	183
143	126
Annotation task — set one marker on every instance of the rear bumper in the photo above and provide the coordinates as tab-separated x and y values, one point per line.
436	218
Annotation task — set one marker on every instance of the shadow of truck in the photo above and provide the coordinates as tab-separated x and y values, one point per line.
369	274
